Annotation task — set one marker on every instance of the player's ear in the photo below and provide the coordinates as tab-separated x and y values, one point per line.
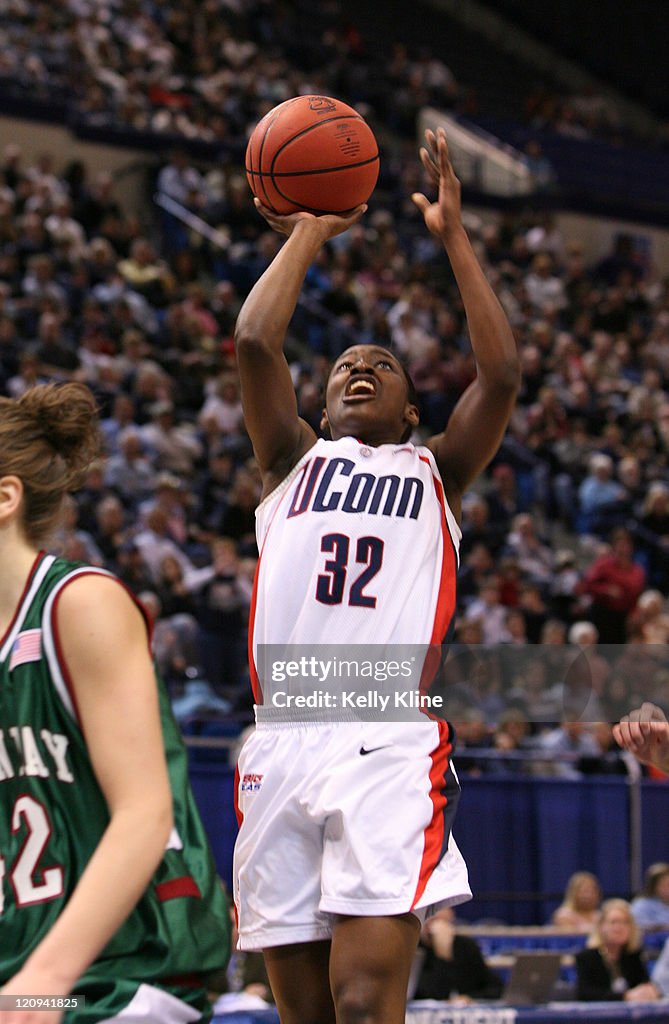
411	415
11	495
325	423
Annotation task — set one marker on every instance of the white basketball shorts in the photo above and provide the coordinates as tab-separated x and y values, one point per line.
348	818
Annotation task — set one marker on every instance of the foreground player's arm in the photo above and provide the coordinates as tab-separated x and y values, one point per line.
104	644
279	436
645	733
477	424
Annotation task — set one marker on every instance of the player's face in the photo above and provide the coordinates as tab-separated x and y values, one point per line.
367	397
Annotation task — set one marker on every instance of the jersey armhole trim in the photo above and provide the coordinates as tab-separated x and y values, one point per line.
51	639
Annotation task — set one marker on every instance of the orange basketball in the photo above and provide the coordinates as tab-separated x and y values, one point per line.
312	153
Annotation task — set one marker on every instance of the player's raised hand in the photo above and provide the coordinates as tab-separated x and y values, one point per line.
330	224
444	214
645	733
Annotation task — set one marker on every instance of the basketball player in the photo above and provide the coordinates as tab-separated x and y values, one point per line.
645	733
340	854
107	887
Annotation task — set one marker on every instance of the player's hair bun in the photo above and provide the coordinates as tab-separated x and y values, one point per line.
65	416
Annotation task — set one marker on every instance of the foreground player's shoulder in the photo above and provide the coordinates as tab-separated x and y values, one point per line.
96	604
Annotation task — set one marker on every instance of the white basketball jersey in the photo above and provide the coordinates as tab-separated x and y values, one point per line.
357	546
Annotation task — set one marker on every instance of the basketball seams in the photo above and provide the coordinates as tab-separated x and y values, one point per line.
304	174
336	169
277	114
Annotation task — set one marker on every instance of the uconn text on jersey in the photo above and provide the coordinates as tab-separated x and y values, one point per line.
329	484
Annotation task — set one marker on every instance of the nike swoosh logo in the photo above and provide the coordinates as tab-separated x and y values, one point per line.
373	750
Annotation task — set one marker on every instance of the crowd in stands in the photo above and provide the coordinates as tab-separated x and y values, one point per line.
612	950
207	71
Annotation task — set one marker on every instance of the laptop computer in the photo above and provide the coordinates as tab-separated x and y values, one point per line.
532	979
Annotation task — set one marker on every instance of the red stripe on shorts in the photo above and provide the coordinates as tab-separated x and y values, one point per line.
238	812
183	886
433	840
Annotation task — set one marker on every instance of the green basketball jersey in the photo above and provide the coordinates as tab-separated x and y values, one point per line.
53	814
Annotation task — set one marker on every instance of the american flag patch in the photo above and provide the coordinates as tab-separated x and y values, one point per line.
27	647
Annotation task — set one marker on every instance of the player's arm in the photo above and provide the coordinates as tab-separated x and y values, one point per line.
645	733
104	643
479	420
279	436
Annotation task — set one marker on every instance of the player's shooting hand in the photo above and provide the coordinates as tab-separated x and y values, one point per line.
444	215
328	224
645	733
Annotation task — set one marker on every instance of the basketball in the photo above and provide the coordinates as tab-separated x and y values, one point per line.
312	153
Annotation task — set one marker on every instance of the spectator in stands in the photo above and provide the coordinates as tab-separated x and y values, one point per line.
224	405
612	968
535	611
473	733
132	568
155	543
238	520
173	445
563	585
172	497
609	760
144	273
580	907
585	637
110	529
651	907
129	472
70	536
599	494
57	360
650	618
453	966
178	178
614	582
660	972
544	288
535	558
515	628
28	375
512	735
488	610
567	743
503	498
477	526
652	533
222	604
